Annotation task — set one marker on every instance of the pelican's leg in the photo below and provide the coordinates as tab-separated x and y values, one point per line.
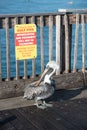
41	106
36	103
47	104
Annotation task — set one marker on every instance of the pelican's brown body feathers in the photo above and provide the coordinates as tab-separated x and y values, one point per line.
43	91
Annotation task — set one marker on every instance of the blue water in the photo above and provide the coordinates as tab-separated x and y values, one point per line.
34	6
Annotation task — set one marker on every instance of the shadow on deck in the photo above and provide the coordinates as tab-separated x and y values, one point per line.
69	112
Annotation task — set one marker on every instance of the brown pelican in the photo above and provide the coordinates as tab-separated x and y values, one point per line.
42	90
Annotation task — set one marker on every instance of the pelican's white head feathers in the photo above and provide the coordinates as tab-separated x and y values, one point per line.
54	66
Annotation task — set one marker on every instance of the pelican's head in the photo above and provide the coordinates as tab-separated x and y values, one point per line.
53	66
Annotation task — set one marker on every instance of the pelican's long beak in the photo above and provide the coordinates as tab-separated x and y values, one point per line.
43	74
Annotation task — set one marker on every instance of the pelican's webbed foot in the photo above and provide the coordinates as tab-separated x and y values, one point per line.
43	105
40	105
47	104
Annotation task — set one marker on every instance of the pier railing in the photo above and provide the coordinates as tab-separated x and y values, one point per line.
60	36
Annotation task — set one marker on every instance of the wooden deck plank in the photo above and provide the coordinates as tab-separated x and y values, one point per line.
22	122
58	120
59	95
73	114
5	121
66	114
49	118
62	116
13	103
32	114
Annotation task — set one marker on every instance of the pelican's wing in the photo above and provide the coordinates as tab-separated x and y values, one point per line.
31	91
48	91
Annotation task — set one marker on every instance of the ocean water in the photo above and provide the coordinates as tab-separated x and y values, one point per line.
35	6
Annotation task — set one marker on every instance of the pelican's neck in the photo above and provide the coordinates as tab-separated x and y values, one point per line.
51	74
47	78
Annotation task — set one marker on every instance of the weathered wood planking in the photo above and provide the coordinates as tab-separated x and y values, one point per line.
59	95
42	42
17	62
50	38
25	61
16	87
58	42
33	60
83	44
0	64
72	18
7	48
65	115
76	43
66	44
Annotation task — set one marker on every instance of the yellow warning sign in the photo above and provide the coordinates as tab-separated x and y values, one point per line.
25	41
25	52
